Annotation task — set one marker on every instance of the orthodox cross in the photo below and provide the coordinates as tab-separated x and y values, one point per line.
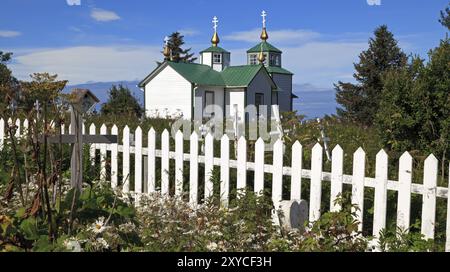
215	21
263	15
166	40
82	101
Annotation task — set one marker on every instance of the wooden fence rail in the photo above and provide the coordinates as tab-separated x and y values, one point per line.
381	184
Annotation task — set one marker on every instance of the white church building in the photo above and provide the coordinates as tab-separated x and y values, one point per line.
214	87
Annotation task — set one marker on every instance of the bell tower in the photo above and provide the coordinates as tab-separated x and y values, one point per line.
264	52
215	56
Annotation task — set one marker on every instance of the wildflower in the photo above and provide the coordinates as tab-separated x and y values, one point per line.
102	243
211	246
98	226
73	245
127	227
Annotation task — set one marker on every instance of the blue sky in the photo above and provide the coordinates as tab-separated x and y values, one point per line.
111	40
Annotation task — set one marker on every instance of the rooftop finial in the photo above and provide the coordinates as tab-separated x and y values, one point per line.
261	56
263	15
264	36
166	51
215	39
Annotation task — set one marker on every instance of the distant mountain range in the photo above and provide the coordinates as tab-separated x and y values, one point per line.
312	102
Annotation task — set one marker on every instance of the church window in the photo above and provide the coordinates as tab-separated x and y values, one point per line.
217	58
253	59
208	104
274	60
259	100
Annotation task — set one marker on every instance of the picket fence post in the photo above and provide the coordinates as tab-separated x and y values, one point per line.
259	166
224	170
138	190
296	171
447	244
193	170
151	161
277	179
429	196
92	147
126	160
103	155
404	192
337	166
2	133
359	166
179	162
17	134
165	163
114	159
241	163
380	201
209	164
25	127
316	183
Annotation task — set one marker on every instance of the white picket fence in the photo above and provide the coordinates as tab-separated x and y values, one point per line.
429	189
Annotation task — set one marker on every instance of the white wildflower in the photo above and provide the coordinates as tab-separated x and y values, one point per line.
73	245
98	226
211	246
102	243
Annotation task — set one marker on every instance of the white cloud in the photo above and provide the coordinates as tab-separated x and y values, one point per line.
321	63
317	63
88	63
275	36
188	32
102	15
374	2
73	2
9	34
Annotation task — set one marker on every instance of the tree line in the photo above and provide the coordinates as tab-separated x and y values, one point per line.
406	98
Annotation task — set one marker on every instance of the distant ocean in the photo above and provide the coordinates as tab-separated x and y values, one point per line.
312	102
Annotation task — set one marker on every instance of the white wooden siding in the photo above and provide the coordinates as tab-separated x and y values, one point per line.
167	93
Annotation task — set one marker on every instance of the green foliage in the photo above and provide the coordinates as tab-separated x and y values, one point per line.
360	101
121	103
406	240
8	84
445	17
176	40
416	105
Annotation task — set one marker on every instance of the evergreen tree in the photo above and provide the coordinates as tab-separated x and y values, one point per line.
121	102
176	40
445	17
415	108
9	85
360	101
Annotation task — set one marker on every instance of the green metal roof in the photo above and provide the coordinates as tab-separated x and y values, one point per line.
215	49
266	47
232	76
277	70
240	75
198	73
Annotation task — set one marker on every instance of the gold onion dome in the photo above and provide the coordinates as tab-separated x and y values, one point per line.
261	57
166	51
215	39
264	36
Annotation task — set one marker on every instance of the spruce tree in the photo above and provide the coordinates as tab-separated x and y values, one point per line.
121	103
359	102
176	40
445	17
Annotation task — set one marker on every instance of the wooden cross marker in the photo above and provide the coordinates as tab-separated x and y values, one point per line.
82	101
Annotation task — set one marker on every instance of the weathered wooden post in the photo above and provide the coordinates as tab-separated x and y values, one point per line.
82	101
